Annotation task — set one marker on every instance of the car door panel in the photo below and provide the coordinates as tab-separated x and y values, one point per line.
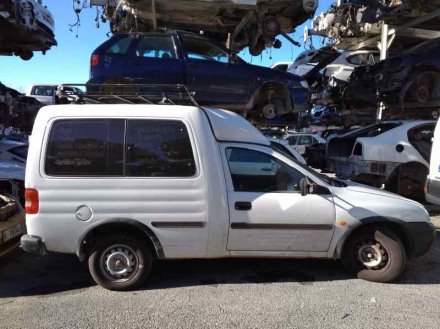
209	74
280	222
155	61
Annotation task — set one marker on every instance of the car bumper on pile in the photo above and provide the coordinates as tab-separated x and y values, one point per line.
10	232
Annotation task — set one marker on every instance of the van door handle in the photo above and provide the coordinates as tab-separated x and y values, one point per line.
243	205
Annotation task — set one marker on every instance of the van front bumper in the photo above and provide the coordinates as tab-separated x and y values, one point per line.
33	244
422	236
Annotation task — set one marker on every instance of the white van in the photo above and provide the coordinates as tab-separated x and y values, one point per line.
432	188
121	185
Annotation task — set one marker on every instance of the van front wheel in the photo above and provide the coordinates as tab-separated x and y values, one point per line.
120	262
375	254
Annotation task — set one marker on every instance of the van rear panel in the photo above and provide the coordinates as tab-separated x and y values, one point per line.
91	169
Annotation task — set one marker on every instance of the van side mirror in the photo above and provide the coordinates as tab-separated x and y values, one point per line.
304	186
307	187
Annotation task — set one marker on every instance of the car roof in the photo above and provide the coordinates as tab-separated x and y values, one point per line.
43	85
277	140
169	32
227	126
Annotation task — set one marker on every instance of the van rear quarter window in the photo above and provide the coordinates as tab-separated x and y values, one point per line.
159	148
119	147
86	148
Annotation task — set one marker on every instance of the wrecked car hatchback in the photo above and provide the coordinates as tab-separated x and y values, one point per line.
391	153
217	77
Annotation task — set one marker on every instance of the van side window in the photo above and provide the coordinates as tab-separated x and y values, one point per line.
86	148
253	171
159	148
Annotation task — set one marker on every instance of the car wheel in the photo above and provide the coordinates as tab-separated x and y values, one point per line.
120	262
423	87
409	181
375	254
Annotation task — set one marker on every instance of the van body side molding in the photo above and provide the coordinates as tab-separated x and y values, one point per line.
178	224
249	226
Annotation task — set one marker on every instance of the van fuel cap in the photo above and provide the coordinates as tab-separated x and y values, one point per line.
84	213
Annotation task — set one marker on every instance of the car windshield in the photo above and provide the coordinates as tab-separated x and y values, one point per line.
328	180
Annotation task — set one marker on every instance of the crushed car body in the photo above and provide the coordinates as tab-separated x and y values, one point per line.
25	26
391	153
350	24
411	79
251	23
16	110
328	70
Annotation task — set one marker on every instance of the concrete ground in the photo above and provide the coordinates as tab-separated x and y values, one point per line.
56	291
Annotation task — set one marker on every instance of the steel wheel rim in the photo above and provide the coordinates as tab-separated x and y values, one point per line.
119	263
371	254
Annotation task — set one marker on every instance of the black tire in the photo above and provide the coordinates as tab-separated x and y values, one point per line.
409	181
120	248
391	250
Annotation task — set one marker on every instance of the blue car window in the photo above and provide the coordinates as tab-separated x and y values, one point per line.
203	50
156	47
120	47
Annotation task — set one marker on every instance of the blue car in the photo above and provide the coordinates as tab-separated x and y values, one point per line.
217	77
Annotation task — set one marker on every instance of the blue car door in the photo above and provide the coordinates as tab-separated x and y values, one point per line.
211	77
156	61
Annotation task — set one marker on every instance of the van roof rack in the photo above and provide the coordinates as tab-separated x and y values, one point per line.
162	94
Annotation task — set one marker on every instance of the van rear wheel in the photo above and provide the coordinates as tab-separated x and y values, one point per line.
375	254
120	262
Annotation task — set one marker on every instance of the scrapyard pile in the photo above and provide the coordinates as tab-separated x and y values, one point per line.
25	26
359	34
16	110
250	23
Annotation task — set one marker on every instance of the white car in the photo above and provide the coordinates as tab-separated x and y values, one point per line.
299	141
122	185
432	190
394	154
335	63
47	94
13	151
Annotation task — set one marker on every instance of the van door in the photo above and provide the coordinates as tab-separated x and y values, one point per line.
267	211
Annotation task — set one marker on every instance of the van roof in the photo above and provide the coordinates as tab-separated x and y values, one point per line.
226	126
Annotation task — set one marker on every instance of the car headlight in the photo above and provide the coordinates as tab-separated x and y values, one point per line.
304	84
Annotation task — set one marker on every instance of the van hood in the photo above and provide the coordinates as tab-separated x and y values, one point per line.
360	188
